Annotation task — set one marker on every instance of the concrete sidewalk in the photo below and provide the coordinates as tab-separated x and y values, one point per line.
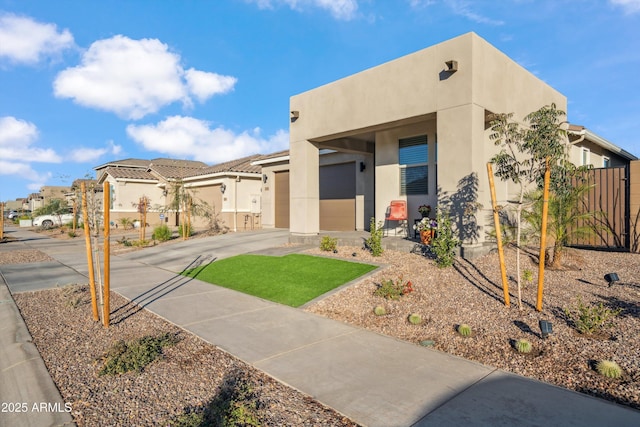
373	379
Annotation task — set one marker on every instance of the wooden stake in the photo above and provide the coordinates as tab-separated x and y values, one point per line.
107	252
87	239
496	220
543	234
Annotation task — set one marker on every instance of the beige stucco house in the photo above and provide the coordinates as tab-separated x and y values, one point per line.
421	124
230	189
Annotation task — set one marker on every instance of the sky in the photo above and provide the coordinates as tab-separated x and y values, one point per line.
86	82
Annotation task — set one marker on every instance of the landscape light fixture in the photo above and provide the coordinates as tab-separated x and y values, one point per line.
611	278
363	166
546	328
223	188
264	178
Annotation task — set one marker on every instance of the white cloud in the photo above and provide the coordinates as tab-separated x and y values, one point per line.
16	137
23	40
629	6
204	85
25	171
84	155
187	137
340	9
133	78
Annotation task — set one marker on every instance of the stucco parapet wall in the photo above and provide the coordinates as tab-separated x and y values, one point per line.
418	84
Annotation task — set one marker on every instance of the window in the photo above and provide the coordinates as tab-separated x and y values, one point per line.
606	162
585	157
413	159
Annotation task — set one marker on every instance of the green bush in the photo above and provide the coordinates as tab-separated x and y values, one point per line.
464	330
609	369
415	319
590	319
523	346
126	223
162	233
393	289
374	242
328	243
444	244
134	355
379	311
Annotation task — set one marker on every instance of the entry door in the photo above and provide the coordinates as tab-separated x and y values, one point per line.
338	197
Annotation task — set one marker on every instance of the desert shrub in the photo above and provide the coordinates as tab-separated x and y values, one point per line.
126	223
72	234
188	229
393	289
464	330
328	243
523	346
609	369
374	242
590	319
444	244
162	233
379	311
415	319
134	355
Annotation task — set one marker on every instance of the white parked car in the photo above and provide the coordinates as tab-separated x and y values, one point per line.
48	221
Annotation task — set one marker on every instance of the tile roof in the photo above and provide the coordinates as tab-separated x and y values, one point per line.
242	165
175	172
130	173
272	155
177	163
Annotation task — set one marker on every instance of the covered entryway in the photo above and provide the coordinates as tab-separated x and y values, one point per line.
338	197
282	199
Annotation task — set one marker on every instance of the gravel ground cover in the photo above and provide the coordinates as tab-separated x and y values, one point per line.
471	293
190	375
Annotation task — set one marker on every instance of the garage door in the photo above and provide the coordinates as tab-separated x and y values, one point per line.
282	199
338	197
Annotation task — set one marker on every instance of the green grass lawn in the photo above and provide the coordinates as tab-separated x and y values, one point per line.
292	280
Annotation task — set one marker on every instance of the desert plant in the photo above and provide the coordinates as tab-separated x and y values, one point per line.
162	233
379	310
415	319
464	330
134	355
185	230
523	346
71	234
393	289
126	223
443	245
527	277
590	319
374	242
609	369
328	243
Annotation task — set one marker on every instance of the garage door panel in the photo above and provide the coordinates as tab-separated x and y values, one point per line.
282	199
337	215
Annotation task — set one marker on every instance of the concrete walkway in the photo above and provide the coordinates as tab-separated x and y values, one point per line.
373	379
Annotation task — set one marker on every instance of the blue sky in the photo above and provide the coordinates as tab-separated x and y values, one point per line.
84	82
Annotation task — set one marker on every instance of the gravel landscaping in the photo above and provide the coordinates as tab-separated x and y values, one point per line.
471	293
193	373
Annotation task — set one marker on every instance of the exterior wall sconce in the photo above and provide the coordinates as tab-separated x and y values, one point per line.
264	178
223	188
611	278
363	166
546	328
452	66
164	193
294	115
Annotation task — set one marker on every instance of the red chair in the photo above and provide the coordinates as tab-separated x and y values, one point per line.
397	212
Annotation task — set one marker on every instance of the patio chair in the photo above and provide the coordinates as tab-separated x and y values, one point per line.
397	211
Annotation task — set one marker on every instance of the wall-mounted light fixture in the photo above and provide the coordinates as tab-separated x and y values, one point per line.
363	166
264	178
452	66
294	115
164	193
223	188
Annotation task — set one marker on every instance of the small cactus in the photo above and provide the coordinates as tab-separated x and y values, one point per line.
464	330
609	369
523	346
379	311
415	319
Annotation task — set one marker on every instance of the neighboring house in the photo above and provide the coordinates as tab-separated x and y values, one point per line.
591	149
423	122
231	190
34	201
345	184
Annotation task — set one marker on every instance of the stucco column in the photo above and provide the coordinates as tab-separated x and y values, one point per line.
304	188
462	157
